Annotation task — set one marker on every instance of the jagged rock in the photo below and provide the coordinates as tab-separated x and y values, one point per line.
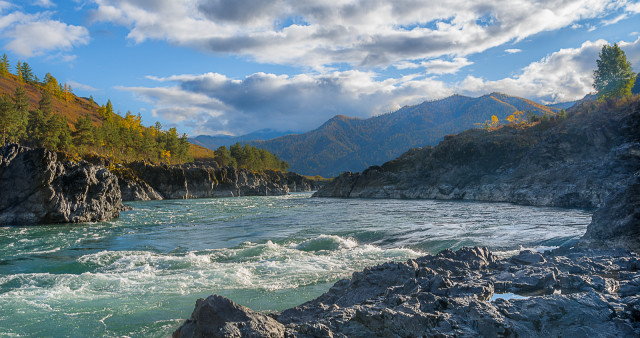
143	181
527	257
37	188
449	295
617	224
218	316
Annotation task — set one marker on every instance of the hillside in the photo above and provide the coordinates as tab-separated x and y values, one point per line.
351	144
576	162
76	108
213	142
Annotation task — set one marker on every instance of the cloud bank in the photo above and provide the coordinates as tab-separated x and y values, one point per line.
361	33
213	103
32	34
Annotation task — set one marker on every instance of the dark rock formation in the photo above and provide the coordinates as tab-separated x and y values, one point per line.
37	188
218	316
570	292
573	163
617	223
143	181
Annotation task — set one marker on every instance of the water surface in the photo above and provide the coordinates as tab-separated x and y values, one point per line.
140	275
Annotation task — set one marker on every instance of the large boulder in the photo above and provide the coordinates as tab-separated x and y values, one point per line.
218	316
37	188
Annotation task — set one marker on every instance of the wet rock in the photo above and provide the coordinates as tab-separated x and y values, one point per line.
449	295
528	257
218	316
37	188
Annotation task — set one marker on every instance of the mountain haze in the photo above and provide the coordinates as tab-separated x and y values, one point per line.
213	142
352	144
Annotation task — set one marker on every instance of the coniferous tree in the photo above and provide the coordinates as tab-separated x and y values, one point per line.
21	109
636	88
37	127
7	116
19	72
224	158
27	73
4	65
614	77
45	104
83	136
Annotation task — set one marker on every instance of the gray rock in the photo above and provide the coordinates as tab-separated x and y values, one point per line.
449	294
576	163
147	181
218	316
37	188
528	257
617	224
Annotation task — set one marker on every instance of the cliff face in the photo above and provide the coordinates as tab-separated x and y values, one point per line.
573	163
37	188
141	181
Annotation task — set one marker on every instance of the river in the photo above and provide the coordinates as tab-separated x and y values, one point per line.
140	275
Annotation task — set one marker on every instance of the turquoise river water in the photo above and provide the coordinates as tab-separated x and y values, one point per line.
141	274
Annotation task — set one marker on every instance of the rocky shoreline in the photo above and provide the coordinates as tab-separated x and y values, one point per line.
469	292
590	288
574	163
39	186
577	290
143	181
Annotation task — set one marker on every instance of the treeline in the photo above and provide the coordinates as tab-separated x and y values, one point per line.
120	138
249	157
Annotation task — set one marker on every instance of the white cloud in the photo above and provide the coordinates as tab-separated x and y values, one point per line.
37	34
513	50
44	3
360	33
80	86
445	67
565	75
212	103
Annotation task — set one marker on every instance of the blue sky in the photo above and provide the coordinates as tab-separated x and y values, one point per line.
236	66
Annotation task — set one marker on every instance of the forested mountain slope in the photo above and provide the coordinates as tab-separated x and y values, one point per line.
351	144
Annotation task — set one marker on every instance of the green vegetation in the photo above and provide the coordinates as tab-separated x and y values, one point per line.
614	77
98	130
249	157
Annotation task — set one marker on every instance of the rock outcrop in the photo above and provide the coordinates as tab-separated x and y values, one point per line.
617	223
218	316
569	292
143	181
578	162
38	188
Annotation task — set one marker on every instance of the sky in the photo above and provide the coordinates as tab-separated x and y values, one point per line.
233	67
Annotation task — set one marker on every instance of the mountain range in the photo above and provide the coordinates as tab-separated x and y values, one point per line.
352	144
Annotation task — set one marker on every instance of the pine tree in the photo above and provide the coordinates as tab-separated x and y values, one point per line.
27	73
614	77
19	72
45	104
4	65
37	127
7	116
21	109
84	132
